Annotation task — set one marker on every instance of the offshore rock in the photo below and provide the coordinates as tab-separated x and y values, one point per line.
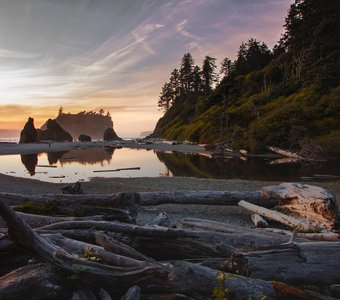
84	138
54	132
29	133
111	135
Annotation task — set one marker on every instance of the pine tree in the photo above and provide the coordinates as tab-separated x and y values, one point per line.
209	73
186	72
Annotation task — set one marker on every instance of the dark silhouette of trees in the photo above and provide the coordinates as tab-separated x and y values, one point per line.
209	73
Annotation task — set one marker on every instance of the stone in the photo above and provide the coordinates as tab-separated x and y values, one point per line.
29	133
111	135
84	138
54	132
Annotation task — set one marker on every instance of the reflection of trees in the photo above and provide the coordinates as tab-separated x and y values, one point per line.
30	161
195	165
90	156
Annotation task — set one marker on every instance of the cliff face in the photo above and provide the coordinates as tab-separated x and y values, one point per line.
90	123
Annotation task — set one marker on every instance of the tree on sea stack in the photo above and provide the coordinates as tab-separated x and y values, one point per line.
111	135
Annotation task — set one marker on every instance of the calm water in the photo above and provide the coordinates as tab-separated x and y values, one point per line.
76	165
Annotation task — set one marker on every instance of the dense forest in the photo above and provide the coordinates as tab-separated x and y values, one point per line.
288	96
90	123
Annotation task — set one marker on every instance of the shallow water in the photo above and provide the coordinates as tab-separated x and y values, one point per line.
71	166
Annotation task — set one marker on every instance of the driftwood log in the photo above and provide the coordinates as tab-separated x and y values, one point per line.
315	263
313	204
279	217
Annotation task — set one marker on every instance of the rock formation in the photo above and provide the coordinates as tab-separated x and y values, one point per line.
84	138
29	133
111	135
54	132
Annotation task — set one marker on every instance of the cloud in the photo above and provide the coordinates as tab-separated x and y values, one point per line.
5	53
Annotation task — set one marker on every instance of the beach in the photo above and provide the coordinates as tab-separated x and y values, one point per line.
99	185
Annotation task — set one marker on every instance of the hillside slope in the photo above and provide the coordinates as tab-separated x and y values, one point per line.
288	97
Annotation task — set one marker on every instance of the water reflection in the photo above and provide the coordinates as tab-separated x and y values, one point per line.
257	168
83	164
30	161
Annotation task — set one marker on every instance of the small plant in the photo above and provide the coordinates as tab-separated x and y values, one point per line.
221	290
90	255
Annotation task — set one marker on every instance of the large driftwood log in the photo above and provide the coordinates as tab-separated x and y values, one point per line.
322	236
314	204
132	200
203	197
85	204
279	217
316	263
39	280
38	220
168	243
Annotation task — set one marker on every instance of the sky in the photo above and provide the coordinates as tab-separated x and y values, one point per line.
115	54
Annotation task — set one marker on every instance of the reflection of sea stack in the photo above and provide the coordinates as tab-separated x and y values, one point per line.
54	132
29	133
30	161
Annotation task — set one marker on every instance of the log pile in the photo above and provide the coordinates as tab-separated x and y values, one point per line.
99	257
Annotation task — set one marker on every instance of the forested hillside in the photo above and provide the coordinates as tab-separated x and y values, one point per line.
288	96
90	123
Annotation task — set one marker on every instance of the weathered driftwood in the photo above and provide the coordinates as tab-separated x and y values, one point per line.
285	153
258	221
322	236
119	207
279	217
314	204
316	263
213	239
133	293
203	197
180	277
38	220
83	294
39	280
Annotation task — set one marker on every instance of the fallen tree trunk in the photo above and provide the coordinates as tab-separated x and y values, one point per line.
315	263
75	205
215	240
133	200
39	280
313	204
322	236
203	197
279	217
38	220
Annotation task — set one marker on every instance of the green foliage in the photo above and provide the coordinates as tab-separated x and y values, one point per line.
89	254
30	207
280	99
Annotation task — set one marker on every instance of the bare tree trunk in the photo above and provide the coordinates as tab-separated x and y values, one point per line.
316	263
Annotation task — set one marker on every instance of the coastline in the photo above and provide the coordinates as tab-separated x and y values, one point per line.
30	148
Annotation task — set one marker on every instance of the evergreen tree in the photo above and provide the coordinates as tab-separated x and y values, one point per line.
209	73
226	67
197	77
166	97
186	72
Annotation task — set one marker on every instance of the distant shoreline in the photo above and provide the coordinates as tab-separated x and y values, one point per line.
8	148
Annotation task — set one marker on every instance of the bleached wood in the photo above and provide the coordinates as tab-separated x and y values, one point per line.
278	217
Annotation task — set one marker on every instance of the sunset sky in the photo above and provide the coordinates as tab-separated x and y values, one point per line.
115	54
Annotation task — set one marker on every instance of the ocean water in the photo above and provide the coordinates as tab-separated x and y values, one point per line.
9	140
83	164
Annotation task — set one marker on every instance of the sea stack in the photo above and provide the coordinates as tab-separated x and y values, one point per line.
29	133
111	135
54	132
